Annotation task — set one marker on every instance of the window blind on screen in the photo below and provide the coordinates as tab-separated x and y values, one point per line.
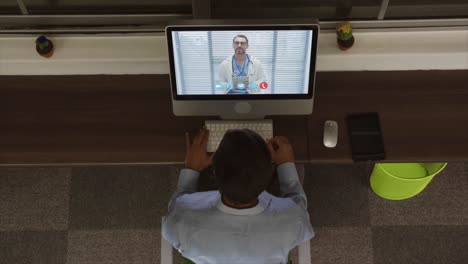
284	56
193	60
291	68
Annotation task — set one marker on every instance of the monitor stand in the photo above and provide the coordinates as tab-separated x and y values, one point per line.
243	110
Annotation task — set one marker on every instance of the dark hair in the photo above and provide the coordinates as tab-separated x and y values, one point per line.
242	165
241	36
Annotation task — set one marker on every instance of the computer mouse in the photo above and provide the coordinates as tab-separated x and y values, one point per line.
330	134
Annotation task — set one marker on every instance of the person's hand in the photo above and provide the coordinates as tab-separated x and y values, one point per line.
196	157
281	150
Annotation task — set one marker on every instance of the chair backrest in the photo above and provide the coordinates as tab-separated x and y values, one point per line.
166	249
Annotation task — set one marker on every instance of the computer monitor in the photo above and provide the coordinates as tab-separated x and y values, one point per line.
242	71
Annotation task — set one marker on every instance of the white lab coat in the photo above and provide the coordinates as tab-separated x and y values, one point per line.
256	74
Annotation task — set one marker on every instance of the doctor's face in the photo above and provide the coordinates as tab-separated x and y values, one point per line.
240	45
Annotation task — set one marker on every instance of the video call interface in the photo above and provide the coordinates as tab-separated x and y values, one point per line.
242	62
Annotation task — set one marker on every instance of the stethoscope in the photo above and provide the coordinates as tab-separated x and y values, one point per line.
243	67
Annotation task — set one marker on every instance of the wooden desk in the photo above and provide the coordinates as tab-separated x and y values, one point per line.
423	114
102	119
128	119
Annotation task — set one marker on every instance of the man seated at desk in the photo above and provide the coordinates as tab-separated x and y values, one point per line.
241	73
241	222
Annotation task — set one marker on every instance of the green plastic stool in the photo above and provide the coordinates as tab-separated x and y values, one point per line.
398	181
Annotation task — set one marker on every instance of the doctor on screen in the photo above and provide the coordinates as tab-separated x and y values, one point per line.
241	73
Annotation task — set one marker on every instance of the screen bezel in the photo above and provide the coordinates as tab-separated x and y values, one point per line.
313	55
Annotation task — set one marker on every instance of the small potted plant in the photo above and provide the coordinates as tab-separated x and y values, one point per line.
44	47
345	38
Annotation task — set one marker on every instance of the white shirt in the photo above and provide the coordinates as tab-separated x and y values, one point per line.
206	231
256	74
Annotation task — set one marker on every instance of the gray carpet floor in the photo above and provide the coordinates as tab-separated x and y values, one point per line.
112	214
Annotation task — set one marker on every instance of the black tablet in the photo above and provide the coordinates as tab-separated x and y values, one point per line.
365	137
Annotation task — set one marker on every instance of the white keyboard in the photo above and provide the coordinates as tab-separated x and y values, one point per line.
217	129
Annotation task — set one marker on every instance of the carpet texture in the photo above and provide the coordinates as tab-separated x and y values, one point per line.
112	214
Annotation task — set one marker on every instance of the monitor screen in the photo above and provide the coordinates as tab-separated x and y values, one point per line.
235	62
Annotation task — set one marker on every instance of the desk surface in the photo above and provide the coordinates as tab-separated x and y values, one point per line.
128	119
423	114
